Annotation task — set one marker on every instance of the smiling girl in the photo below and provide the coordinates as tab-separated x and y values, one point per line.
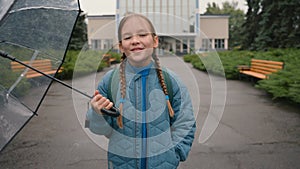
152	131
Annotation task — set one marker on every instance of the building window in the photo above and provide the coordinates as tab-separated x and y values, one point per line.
192	44
185	45
206	44
130	5
219	43
107	44
96	44
102	44
178	45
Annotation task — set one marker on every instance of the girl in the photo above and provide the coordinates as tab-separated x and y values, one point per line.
151	132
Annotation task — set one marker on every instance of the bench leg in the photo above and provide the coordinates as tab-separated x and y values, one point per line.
254	80
243	76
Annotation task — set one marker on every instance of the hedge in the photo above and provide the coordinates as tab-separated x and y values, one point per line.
284	84
83	62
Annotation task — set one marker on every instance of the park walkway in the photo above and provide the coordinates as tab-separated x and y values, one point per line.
254	132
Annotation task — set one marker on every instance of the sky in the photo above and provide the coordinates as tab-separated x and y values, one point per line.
106	7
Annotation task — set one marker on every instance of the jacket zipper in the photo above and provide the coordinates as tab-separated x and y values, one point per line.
144	127
146	120
135	94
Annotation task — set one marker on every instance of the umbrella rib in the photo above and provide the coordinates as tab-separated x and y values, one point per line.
42	7
29	48
3	54
21	76
114	112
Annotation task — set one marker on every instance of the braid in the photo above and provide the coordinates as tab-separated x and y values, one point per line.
162	83
123	89
122	76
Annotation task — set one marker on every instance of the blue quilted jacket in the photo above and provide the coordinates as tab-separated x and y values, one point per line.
149	138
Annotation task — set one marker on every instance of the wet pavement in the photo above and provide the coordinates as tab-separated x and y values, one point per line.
254	132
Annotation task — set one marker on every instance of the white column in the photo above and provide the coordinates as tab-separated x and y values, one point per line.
226	44
181	16
141	4
174	14
160	14
133	6
153	11
126	10
147	7
168	22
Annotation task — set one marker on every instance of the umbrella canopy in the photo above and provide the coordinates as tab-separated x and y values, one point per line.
36	33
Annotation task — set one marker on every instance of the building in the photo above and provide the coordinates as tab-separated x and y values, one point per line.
178	23
214	32
101	32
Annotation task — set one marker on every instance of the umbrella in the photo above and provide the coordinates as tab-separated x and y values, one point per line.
34	36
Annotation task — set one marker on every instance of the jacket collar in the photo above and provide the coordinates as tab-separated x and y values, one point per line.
136	73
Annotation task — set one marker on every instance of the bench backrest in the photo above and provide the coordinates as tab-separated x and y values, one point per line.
265	66
41	65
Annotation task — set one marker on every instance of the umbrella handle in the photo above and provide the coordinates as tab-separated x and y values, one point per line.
113	112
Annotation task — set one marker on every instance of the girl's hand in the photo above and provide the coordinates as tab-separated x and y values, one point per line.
98	102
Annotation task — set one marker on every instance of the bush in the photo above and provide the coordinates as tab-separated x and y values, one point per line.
8	78
284	84
84	62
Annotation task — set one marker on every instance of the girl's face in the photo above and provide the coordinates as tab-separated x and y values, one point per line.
137	41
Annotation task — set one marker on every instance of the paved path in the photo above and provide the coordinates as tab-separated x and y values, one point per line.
254	131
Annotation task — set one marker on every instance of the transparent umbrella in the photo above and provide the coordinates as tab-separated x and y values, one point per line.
34	37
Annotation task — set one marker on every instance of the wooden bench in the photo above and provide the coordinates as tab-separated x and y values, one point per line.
261	69
108	59
43	65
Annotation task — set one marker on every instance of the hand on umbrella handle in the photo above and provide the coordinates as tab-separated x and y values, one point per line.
113	112
110	110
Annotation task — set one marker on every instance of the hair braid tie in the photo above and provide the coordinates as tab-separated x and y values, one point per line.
171	111
119	118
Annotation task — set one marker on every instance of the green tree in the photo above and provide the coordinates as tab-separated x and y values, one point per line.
235	21
268	25
288	31
79	35
213	8
250	26
272	24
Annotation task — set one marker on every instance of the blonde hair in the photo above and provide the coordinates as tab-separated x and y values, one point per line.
131	15
122	69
